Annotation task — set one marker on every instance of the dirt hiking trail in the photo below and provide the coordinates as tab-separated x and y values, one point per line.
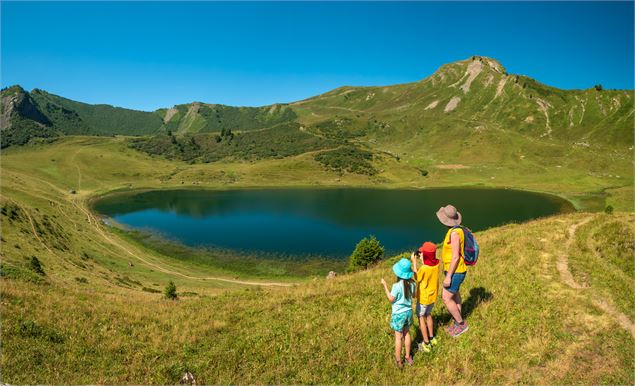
562	264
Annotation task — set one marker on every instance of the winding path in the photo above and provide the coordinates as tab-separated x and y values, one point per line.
96	223
563	262
565	275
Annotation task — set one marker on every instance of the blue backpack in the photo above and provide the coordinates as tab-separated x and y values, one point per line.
470	246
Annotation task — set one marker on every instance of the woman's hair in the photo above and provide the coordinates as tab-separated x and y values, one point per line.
407	287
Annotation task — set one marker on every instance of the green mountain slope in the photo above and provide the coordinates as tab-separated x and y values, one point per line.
41	114
460	99
20	118
100	119
199	117
549	300
477	94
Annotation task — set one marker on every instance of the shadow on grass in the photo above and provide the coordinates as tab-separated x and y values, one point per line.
477	296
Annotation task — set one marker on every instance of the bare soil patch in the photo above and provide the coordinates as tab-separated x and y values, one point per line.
452	166
452	104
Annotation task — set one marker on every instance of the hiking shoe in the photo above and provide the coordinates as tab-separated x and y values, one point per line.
409	361
434	341
459	329
424	347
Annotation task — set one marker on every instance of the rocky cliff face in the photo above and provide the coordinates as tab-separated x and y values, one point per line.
17	103
20	118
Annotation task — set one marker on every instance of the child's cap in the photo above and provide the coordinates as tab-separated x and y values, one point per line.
403	269
429	249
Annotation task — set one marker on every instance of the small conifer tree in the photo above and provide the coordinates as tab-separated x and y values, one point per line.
367	252
36	266
170	291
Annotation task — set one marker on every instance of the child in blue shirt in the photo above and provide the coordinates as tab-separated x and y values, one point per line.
401	298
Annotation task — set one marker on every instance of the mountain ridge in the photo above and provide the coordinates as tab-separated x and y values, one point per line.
477	88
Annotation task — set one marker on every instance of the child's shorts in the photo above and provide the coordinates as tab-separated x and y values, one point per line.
424	309
401	320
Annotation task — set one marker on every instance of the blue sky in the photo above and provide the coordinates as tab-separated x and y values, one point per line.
148	55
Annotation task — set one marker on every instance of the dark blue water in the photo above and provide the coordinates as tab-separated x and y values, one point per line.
322	222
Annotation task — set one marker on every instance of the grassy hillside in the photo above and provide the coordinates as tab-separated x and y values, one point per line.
473	119
80	163
465	102
527	324
478	95
20	119
85	319
469	123
199	117
280	141
549	302
101	119
34	114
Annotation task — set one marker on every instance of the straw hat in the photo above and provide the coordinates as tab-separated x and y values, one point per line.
448	215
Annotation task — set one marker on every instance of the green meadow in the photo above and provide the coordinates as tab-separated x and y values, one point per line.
550	300
87	318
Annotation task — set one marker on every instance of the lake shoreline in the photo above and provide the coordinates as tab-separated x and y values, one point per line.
174	203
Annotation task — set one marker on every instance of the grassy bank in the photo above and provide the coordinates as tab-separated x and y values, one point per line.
527	324
96	313
93	165
237	263
51	185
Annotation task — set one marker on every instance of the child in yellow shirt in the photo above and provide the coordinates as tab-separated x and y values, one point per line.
427	278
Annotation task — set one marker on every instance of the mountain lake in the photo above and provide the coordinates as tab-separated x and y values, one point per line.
301	223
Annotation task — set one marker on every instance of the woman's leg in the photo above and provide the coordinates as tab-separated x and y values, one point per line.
451	305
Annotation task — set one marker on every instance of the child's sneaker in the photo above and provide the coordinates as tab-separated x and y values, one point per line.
424	347
434	341
459	329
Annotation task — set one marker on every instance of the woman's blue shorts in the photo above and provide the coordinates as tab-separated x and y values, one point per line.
457	280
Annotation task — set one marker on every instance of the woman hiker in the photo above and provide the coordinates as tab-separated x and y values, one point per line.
453	266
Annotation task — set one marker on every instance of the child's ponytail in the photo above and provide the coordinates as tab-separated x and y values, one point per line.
408	285
407	288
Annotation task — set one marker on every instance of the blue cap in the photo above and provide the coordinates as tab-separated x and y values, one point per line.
403	269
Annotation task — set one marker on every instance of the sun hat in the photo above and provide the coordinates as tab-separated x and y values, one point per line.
428	249
403	269
448	215
429	253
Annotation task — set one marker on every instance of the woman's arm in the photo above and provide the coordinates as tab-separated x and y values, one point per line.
388	294
455	241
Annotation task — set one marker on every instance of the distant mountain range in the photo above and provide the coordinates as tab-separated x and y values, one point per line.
459	99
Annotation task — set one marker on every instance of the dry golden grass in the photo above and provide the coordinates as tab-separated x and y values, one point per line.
525	326
90	321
